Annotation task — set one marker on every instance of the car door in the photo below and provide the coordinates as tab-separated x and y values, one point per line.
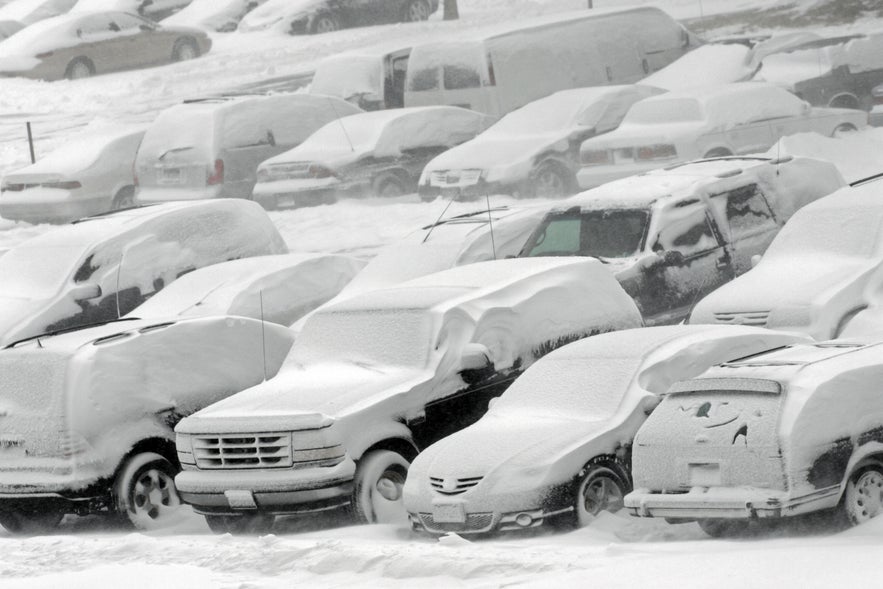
98	42
748	223
692	260
133	47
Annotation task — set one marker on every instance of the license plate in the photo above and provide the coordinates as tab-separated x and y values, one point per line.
448	514
170	175
240	499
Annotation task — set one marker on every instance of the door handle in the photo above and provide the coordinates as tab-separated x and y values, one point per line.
721	263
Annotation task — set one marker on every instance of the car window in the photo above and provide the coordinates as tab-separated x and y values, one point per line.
424	79
604	233
457	77
127	22
686	229
745	209
96	26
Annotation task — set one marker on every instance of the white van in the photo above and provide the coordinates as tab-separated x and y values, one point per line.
372	78
502	69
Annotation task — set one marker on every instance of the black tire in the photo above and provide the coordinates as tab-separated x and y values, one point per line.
600	488
245	524
144	491
718	152
416	11
33	523
79	68
325	23
552	181
723	528
389	186
843	129
124	199
863	498
377	493
185	49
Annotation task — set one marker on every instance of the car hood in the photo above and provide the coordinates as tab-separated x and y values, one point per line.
496	150
20	318
300	398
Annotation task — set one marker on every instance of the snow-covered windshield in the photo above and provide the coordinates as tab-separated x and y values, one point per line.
542	116
36	272
354	133
666	110
611	233
461	65
381	337
184	132
348	76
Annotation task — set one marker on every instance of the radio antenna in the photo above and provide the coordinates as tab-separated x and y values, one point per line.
490	222
117	294
342	126
263	335
437	221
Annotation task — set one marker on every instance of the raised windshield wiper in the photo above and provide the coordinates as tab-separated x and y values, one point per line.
174	150
69	330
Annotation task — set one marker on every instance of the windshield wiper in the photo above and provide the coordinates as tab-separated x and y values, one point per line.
69	330
174	150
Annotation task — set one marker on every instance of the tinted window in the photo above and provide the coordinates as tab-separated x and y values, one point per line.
745	209
616	233
425	79
458	77
685	229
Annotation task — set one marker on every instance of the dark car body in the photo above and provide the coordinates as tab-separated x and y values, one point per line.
297	17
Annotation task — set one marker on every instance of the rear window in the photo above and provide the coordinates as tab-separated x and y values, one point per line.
183	132
459	66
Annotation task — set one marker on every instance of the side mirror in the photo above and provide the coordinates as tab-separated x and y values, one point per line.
475	357
271	139
755	260
86	292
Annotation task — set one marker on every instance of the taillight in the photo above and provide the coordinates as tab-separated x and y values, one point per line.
655	152
317	171
68	185
596	157
216	176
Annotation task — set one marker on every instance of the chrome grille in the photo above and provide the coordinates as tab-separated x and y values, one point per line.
475	522
755	318
265	450
454	177
453	486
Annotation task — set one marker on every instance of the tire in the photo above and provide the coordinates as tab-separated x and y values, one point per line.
843	129
79	68
863	499
248	523
416	11
377	496
185	50
325	23
144	491
389	186
722	528
124	199
30	523
600	489
550	181
718	152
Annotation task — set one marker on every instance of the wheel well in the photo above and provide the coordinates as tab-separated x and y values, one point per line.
717	152
845	100
400	446
128	189
161	446
608	461
561	167
396	173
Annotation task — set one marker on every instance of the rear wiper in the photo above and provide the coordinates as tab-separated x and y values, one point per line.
174	150
69	330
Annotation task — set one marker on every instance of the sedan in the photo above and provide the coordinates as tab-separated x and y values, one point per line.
152	9
323	16
80	45
712	121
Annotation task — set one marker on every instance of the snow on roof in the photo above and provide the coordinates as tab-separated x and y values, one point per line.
708	64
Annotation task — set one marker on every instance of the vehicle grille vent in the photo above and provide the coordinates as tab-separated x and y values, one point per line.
755	318
453	486
475	522
268	450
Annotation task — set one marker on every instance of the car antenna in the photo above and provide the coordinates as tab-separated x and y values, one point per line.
342	126
490	221
263	335
437	221
117	294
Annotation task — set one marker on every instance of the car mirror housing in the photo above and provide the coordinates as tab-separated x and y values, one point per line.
86	292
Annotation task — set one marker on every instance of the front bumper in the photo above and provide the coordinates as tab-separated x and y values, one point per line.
55	482
728	503
267	490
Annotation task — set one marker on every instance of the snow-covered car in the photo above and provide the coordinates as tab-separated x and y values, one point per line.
27	12
153	9
835	71
817	275
90	174
771	436
100	268
875	117
377	153
371	77
214	15
83	44
711	121
534	150
556	446
673	235
374	378
9	28
211	148
298	17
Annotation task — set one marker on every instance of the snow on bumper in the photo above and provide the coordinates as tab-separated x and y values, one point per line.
271	491
727	503
42	205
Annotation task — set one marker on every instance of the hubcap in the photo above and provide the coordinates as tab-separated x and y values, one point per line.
602	494
186	52
154	495
386	501
80	70
868	497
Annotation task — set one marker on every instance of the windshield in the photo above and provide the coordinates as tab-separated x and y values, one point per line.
387	337
348	76
185	132
609	233
36	272
661	111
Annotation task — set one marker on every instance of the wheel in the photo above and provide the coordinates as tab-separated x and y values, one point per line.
30	523
551	182
144	491
185	49
377	496
125	199
389	186
600	489
79	68
863	499
718	152
843	129
326	23
248	523
417	10
721	528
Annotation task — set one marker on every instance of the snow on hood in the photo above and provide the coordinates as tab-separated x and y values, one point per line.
279	12
279	289
708	64
815	59
40	37
210	14
492	151
856	155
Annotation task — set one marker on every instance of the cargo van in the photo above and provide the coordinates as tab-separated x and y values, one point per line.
372	79
501	69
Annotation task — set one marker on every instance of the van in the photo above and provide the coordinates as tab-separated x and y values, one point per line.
372	79
211	148
502	69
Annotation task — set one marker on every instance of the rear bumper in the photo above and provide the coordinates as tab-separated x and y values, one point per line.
50	206
294	193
